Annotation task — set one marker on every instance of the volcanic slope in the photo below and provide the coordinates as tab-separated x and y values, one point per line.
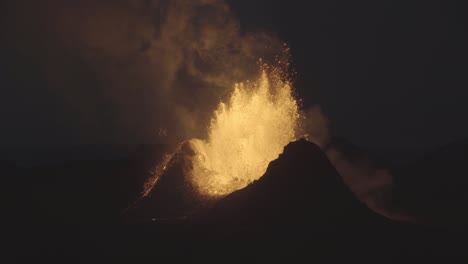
300	193
173	197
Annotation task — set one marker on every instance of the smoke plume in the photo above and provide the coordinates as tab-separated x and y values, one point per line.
139	71
142	71
372	185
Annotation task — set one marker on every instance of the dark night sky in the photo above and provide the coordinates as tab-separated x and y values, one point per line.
388	74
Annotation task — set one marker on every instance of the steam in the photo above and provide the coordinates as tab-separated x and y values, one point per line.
315	126
372	185
151	65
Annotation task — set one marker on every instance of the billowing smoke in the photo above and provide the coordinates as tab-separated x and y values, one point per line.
139	71
371	184
145	71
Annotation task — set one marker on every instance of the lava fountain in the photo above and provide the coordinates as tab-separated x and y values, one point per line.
245	135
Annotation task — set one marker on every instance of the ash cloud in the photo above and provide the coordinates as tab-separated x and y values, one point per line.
123	70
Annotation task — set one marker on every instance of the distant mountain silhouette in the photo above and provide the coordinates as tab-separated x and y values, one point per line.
347	148
370	179
85	191
435	187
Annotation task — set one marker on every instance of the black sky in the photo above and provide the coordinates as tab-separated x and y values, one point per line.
388	74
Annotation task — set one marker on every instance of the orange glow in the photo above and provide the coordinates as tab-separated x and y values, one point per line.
246	133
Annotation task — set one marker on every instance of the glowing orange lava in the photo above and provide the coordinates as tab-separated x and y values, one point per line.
245	135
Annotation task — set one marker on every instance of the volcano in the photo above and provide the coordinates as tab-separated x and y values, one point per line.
301	189
301	197
173	196
301	206
301	192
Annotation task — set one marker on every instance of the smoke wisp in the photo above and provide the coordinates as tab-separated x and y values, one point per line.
138	71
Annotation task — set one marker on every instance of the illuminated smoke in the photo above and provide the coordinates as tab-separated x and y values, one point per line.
122	71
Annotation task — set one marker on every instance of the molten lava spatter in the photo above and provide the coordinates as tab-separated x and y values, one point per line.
245	134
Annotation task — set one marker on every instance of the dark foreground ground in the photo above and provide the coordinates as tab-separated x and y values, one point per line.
299	208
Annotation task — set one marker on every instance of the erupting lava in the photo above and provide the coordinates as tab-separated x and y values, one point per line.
245	135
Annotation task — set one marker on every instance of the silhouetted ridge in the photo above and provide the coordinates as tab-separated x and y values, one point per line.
173	196
300	190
